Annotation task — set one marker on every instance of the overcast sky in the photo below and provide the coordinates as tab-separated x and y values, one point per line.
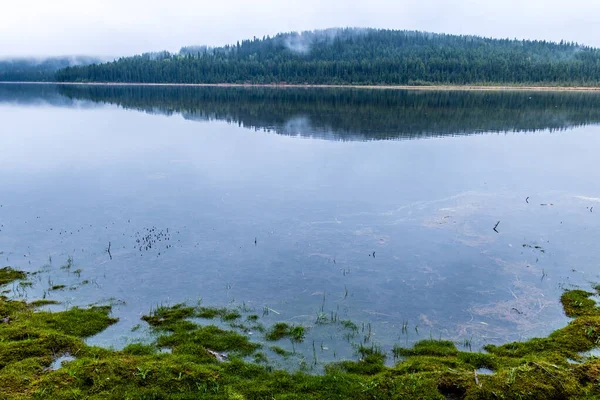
124	27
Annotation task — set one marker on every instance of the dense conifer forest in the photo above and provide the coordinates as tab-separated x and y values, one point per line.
358	56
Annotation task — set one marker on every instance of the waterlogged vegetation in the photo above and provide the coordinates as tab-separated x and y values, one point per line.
188	360
7	275
282	330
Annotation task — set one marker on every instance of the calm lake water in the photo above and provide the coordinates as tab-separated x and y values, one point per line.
370	205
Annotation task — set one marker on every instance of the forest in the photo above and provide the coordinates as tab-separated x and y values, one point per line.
360	57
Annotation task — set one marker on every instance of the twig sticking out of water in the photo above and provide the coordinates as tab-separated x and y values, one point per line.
108	251
527	200
476	378
496	226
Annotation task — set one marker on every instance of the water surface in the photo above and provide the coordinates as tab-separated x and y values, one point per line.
375	206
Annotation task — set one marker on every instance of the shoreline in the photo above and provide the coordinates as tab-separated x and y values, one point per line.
325	86
44	355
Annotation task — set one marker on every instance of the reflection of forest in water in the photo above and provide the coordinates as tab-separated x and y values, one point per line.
341	114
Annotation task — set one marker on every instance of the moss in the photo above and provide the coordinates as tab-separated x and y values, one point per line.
194	341
371	362
223	313
164	317
7	275
428	347
231	316
280	351
58	287
41	303
281	330
252	317
139	349
431	369
577	303
210	312
31	340
260	358
79	322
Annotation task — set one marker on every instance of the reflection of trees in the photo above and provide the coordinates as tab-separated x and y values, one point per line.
349	114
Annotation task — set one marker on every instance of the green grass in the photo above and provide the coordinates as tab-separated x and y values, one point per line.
7	275
431	369
282	330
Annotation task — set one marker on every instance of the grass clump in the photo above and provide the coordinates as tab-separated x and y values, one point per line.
429	347
139	349
164	317
8	275
43	302
197	340
347	324
280	351
231	316
213	312
210	312
209	362
281	330
577	303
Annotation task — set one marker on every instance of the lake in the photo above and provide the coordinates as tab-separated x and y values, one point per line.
447	214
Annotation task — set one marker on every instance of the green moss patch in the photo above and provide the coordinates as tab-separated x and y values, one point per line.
223	313
165	317
44	302
577	303
8	275
210	362
282	330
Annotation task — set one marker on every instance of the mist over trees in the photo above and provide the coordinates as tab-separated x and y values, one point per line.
358	56
39	69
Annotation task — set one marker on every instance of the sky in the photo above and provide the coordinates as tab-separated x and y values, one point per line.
112	28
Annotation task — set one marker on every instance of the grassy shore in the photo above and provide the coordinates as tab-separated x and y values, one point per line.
188	360
384	87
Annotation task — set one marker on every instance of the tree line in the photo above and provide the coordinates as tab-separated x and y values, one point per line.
357	56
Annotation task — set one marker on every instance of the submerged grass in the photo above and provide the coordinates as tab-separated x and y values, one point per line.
209	362
281	330
7	275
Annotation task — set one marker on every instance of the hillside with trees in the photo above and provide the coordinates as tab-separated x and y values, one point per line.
358	56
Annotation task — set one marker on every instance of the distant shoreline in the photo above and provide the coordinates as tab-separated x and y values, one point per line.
312	86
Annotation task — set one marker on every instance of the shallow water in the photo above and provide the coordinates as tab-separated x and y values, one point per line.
375	206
